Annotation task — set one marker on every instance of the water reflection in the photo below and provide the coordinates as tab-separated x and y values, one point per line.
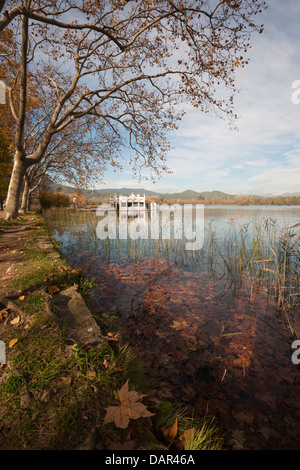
206	322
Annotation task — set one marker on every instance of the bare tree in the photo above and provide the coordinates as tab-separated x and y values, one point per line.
70	158
126	64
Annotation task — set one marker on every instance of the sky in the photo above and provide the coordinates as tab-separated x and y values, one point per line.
262	156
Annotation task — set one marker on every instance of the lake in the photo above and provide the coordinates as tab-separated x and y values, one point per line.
214	326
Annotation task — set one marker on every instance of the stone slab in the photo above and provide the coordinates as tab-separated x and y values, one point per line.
74	313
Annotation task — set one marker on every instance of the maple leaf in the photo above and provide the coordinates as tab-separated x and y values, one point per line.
179	325
129	408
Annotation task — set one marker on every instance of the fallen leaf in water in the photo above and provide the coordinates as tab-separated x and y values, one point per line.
179	325
130	408
269	399
268	432
243	417
238	439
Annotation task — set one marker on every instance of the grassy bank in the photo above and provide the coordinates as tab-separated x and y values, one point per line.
55	394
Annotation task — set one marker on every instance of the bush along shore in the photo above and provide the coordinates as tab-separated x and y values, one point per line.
67	381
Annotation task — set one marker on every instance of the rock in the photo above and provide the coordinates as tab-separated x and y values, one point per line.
46	245
74	313
53	255
25	399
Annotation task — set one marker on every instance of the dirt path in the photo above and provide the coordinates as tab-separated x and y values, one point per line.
14	239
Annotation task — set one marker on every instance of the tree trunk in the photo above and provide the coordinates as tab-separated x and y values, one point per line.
14	190
25	197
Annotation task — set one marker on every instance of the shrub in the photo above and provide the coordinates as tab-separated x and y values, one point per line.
48	200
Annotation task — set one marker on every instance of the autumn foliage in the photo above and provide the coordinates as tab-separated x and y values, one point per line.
48	200
122	72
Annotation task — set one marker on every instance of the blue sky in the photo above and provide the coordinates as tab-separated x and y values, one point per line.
263	155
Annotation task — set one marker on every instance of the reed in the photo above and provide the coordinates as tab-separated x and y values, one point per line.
258	253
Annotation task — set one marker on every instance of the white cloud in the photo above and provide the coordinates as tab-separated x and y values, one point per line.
268	127
219	173
263	155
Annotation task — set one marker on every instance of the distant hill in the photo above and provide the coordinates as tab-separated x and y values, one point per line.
183	195
188	194
126	191
103	192
204	195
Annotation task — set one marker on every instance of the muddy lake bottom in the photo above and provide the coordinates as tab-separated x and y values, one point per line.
219	347
219	352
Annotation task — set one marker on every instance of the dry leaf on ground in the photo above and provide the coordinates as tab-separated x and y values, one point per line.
186	435
129	408
171	433
53	289
3	314
12	342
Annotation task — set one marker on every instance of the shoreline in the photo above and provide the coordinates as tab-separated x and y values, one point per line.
57	387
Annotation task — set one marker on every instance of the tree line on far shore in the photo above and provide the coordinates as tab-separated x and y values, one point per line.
235	200
48	199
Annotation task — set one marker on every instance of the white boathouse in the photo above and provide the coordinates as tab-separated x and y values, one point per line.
132	202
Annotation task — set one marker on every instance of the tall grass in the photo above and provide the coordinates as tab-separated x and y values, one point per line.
262	254
265	253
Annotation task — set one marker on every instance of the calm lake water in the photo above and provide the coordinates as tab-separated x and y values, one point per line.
205	322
